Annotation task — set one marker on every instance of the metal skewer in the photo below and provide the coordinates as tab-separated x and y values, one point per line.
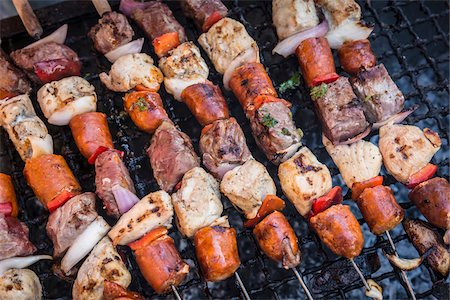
241	285
101	6
405	277
29	19
175	292
360	274
302	283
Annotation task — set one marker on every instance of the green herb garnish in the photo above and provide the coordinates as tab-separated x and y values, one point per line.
300	132
269	121
285	131
318	91
368	98
291	83
141	104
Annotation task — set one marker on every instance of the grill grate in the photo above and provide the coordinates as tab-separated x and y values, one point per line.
410	38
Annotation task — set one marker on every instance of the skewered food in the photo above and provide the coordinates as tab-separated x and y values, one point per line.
112	175
113	291
382	98
8	200
62	100
223	147
357	162
338	228
51	179
197	202
292	16
246	186
112	31
171	155
47	62
183	67
28	133
206	102
14	237
277	239
20	284
204	12
90	131
159	261
13	81
356	56
130	71
67	222
152	211
303	179
103	263
407	149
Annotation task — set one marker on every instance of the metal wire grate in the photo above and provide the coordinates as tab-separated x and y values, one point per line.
410	38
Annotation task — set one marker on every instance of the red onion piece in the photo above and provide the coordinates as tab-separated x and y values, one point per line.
125	199
58	36
129	48
356	138
397	118
287	46
129	6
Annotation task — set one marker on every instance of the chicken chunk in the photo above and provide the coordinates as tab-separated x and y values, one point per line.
131	70
103	263
224	41
407	149
152	211
292	16
61	100
20	284
28	133
357	162
183	67
303	179
197	203
246	186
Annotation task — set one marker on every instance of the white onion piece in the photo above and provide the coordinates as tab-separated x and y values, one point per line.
58	36
347	31
125	199
447	237
129	6
84	243
81	105
20	262
129	48
247	56
395	119
287	46
375	292
40	145
356	138
404	264
289	152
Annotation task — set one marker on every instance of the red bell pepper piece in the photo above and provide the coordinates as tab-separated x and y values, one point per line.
359	187
270	204
114	291
166	42
422	175
56	69
148	238
333	197
4	94
6	209
59	200
329	78
211	20
99	151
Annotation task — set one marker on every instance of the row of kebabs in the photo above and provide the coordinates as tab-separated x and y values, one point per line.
181	81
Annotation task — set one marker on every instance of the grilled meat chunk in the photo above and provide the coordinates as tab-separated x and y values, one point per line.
407	149
204	12
224	41
103	263
131	70
152	211
292	16
183	67
70	220
356	56
62	100
112	31
26	130
13	81
20	284
274	131
223	147
432	198
110	171
382	98
197	203
339	230
340	112
303	179
423	237
357	162
14	238
171	155
246	186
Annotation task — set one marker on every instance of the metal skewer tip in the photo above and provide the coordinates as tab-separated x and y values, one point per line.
405	277
302	283
360	274
175	292
241	285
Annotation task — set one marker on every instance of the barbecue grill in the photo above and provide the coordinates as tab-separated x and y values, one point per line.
410	38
